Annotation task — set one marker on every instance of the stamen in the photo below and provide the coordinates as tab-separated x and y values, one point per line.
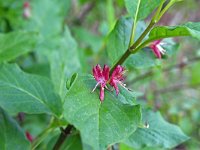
95	87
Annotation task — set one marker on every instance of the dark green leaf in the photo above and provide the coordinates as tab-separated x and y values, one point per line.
15	44
11	135
160	133
100	124
21	92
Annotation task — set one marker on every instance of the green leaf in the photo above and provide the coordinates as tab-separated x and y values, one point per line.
11	135
146	59
64	61
143	59
160	133
141	7
118	42
21	92
15	44
118	39
189	29
42	14
103	123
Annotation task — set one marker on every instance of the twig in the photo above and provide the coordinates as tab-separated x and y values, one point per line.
64	134
175	88
133	49
83	13
167	69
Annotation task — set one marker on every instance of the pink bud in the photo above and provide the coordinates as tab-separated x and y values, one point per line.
26	5
26	10
29	136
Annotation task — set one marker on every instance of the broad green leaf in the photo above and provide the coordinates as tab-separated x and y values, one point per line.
188	29
118	40
64	61
100	124
160	133
47	16
15	44
140	9
21	92
11	135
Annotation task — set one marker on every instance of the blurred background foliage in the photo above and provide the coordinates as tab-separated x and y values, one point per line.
172	86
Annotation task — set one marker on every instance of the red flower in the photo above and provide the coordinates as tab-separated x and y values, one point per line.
117	78
157	49
29	136
101	76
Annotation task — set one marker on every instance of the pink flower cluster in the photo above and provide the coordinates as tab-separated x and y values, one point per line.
102	77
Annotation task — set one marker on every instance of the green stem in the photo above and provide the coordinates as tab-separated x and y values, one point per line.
156	19
41	137
130	50
156	16
43	134
134	25
167	7
146	31
137	46
64	134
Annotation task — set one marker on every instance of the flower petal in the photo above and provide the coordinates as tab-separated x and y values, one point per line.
117	77
105	72
97	73
101	93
